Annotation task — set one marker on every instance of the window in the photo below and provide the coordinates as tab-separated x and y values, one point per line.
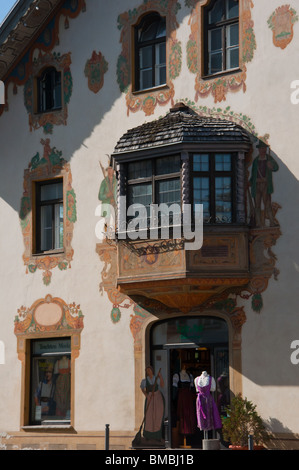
221	36
150	52
49	215
155	181
49	90
50	381
213	186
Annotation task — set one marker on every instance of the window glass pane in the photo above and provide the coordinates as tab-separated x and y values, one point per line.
161	54
216	13
57	90
160	67
146	79
169	192
160	75
215	62
161	31
215	40
140	169
50	192
168	165
223	162
201	330
232	8
140	194
201	195
149	30
232	58
46	228
51	381
223	199
232	35
201	162
145	57
58	226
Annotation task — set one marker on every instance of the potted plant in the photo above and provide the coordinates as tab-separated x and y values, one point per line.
241	421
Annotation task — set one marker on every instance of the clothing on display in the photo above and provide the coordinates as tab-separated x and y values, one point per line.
186	408
208	417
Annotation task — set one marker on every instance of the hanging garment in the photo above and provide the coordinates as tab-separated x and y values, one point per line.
206	410
186	407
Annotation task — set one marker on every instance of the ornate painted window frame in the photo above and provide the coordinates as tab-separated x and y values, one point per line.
37	322
162	95
48	119
219	85
50	166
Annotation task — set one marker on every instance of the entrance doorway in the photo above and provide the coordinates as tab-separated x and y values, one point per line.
199	344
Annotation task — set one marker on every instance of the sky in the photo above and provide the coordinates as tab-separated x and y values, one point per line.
5	7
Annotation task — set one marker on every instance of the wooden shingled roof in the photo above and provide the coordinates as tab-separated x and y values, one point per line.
181	125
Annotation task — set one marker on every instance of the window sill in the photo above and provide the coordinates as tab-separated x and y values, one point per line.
48	253
152	89
48	427
222	73
48	111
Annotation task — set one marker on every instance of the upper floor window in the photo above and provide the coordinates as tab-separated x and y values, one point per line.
49	215
221	20
150	52
213	186
49	90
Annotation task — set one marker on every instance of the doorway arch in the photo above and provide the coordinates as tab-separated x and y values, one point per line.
227	314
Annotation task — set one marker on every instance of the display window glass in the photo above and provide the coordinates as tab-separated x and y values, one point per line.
50	384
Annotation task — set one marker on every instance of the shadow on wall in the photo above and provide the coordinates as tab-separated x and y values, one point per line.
273	425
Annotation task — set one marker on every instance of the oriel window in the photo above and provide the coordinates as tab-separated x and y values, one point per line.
49	90
49	215
221	21
150	52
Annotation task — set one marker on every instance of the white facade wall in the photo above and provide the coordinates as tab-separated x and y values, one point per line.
104	378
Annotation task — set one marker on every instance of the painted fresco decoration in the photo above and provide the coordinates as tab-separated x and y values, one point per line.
281	22
220	86
49	314
47	120
44	43
46	166
108	255
148	101
107	251
95	69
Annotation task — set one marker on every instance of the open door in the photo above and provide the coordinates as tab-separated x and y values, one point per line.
204	354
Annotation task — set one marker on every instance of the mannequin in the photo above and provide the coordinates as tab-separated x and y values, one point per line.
186	410
208	417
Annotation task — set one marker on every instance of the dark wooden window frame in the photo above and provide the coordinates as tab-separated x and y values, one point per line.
55	78
207	27
38	205
154	178
138	45
212	174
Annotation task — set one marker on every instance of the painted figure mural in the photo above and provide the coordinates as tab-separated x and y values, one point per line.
262	185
